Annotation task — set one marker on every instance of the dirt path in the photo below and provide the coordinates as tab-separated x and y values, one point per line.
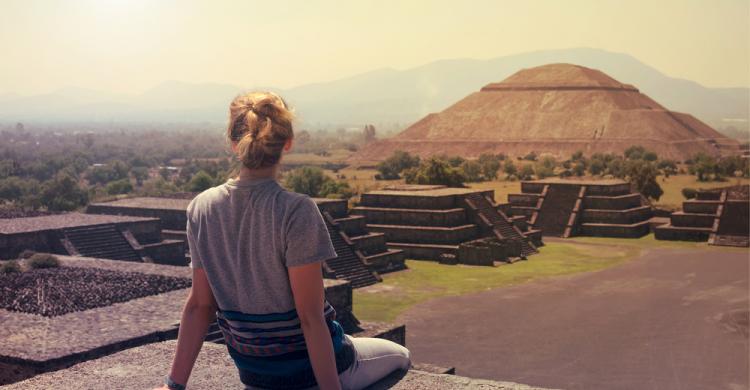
672	319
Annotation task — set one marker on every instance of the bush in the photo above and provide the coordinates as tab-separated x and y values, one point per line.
201	181
689	193
530	157
435	171
10	267
392	167
43	260
26	253
118	187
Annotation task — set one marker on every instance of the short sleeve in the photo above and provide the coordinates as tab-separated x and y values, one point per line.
306	236
191	230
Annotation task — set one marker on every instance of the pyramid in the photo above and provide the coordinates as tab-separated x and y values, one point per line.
556	109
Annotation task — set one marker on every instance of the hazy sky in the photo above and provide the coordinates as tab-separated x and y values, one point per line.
131	45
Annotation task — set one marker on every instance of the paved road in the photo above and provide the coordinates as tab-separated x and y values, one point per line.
672	319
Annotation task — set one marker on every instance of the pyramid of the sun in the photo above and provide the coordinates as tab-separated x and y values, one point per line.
557	109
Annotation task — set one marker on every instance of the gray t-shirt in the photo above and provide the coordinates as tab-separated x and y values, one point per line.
245	233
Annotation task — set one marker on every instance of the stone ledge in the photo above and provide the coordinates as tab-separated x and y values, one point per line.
144	367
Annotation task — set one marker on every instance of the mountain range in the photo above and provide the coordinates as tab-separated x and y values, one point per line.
383	96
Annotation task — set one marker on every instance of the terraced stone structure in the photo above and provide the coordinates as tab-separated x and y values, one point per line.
565	208
137	239
428	221
171	212
720	216
31	343
557	109
362	254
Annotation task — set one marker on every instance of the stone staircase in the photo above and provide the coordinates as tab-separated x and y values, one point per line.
556	209
502	227
102	241
348	265
697	221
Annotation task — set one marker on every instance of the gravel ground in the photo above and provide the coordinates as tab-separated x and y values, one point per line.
8	213
57	291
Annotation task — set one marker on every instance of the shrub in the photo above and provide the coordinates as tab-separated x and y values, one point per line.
689	193
43	260
119	187
10	267
435	171
392	167
530	157
26	253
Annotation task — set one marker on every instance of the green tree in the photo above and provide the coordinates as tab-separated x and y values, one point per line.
62	193
392	167
490	164
526	172
118	187
140	173
201	181
642	175
435	171
472	170
509	168
306	180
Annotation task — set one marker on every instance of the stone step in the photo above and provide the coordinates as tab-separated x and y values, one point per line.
412	217
423	251
388	261
699	220
634	230
681	233
427	234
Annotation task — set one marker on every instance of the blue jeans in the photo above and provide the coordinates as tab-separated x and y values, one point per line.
374	360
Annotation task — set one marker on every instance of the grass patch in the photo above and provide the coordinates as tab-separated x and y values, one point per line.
427	280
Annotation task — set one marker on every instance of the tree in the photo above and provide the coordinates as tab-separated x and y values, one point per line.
63	193
435	171
490	164
703	166
306	180
201	181
392	167
118	187
527	172
140	173
472	170
642	175
509	168
336	189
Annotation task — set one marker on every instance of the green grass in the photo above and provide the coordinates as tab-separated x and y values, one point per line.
427	280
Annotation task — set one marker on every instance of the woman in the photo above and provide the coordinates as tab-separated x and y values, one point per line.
256	252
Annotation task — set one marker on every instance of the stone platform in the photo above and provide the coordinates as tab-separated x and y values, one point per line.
719	216
170	211
429	221
144	367
360	251
108	236
565	208
30	343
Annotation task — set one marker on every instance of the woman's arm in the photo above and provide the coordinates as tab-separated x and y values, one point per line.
199	312
307	288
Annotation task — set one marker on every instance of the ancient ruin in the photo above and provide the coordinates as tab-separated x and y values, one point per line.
33	343
720	216
362	254
565	208
116	237
557	109
429	221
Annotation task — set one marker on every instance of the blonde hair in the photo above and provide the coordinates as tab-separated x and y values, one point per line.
261	124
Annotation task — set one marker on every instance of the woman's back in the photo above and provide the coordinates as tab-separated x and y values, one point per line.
245	233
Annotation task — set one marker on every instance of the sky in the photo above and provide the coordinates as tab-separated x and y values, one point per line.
128	46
